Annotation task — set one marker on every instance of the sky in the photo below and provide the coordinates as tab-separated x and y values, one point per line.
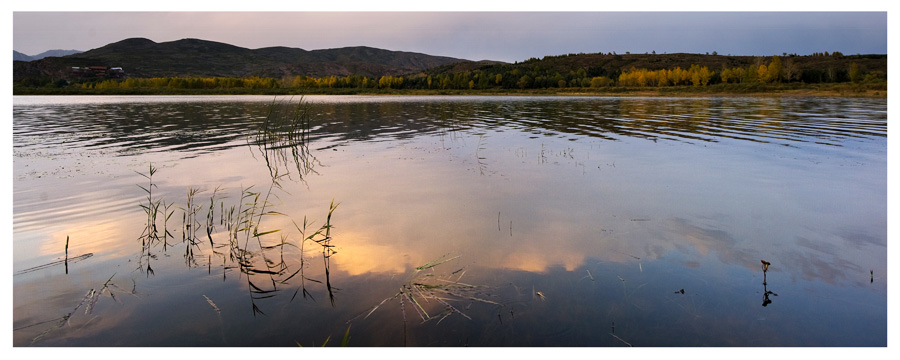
468	34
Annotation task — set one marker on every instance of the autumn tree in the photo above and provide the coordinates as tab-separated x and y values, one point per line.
601	81
762	72
726	75
773	73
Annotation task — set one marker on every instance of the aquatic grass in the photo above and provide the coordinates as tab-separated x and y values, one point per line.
248	244
189	217
283	137
218	315
345	341
626	294
478	157
300	269
166	233
151	208
424	290
620	339
322	237
436	262
210	216
589	275
58	323
89	301
67	254
64	261
766	291
71	260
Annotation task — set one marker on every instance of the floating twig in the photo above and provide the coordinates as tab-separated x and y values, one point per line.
620	339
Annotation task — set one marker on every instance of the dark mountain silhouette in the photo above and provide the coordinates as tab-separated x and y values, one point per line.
141	57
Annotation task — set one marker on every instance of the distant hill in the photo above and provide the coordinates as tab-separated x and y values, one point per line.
22	57
547	71
193	57
143	58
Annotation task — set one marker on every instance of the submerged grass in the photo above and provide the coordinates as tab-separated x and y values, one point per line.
430	294
89	302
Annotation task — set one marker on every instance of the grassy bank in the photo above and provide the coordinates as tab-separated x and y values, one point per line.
757	89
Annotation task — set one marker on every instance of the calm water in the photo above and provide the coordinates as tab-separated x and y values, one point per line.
459	221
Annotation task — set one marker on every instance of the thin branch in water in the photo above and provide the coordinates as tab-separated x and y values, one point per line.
620	339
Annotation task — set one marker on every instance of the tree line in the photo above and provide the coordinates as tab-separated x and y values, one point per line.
528	75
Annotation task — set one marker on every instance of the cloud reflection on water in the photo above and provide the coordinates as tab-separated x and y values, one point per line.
520	189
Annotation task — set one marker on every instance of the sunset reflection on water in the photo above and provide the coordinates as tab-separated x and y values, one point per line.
608	207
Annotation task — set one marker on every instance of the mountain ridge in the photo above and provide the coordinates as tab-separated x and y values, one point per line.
193	58
141	57
55	52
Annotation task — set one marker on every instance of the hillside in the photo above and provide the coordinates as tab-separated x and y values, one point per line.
141	66
200	58
808	68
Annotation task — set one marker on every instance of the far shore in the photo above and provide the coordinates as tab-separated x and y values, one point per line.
720	90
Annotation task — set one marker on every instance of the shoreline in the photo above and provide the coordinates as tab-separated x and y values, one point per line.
831	90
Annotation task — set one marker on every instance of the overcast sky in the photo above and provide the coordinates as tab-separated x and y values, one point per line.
504	36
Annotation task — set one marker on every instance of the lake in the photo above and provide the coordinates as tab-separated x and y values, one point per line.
423	221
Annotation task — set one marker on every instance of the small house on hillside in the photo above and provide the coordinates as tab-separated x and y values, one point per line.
98	71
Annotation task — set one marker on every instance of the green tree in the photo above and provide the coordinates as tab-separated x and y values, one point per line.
525	82
855	74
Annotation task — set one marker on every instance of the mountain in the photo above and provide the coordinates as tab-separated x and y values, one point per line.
22	57
141	57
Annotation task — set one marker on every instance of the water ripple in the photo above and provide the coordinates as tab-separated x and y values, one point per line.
194	125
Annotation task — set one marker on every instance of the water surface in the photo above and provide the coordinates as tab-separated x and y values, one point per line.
584	221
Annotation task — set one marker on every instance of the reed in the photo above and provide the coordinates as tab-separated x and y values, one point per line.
166	233
478	158
283	137
151	208
72	260
210	216
218	315
67	254
189	217
431	295
249	243
323	238
58	323
88	301
766	291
